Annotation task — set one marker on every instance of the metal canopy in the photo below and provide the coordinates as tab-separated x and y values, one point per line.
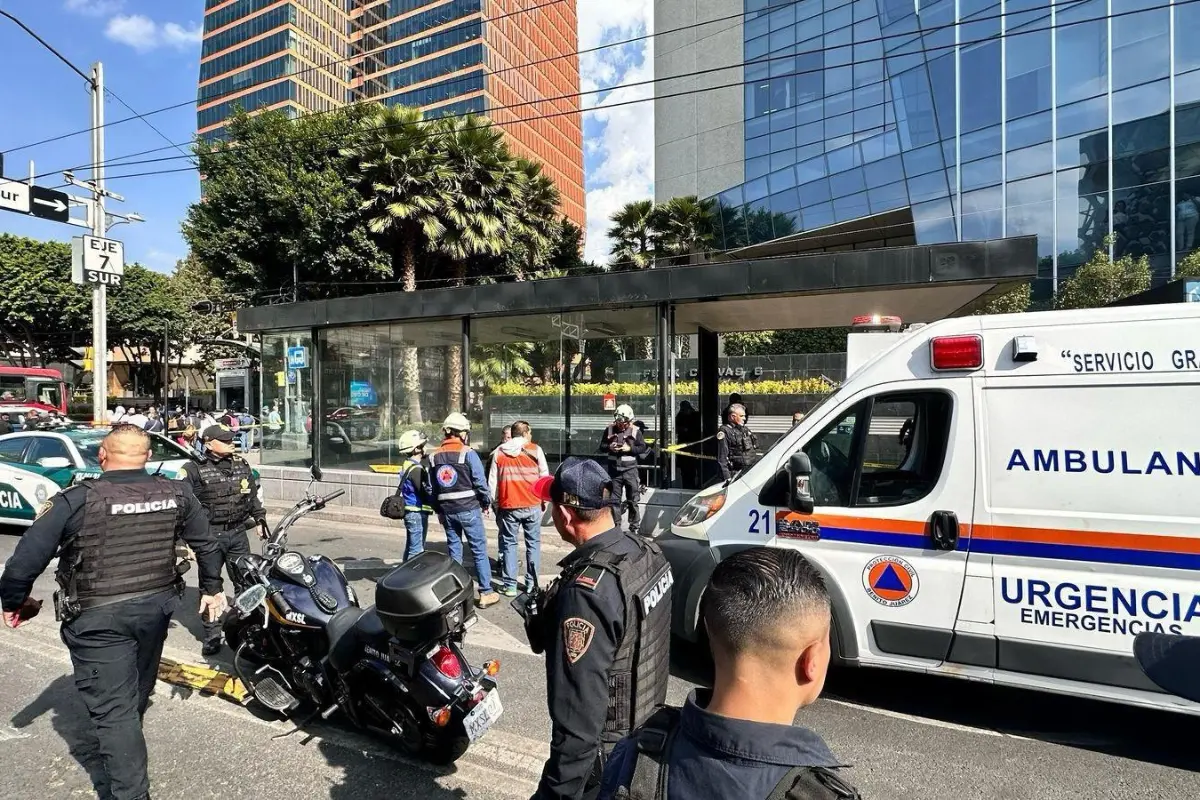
918	283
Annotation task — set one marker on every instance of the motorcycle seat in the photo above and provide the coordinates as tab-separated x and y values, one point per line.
348	630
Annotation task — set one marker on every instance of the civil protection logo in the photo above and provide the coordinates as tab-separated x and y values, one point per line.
447	476
891	581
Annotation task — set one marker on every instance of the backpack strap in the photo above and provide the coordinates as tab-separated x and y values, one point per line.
654	741
813	783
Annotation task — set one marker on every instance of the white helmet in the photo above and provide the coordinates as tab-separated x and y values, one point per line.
625	412
457	422
410	441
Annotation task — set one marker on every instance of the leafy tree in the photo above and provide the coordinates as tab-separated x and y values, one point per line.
786	342
194	284
42	313
633	235
1014	301
566	252
279	206
145	309
1189	266
1102	281
684	226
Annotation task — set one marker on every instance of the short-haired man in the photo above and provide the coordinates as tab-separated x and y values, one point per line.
767	614
737	446
516	466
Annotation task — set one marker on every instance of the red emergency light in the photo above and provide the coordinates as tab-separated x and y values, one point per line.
956	352
879	321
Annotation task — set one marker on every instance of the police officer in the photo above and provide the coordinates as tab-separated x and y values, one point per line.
115	611
604	625
767	614
737	446
225	486
623	442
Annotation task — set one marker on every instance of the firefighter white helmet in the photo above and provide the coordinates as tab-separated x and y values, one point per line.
410	441
625	412
457	422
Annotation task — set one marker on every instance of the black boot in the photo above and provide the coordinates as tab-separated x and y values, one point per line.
211	647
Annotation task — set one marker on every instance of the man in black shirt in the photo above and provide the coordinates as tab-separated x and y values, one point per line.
115	613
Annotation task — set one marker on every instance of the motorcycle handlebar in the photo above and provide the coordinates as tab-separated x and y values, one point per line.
332	496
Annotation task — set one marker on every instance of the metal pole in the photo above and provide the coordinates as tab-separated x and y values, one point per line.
166	357
99	228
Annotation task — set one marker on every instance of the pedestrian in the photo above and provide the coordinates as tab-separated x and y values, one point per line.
136	418
506	434
32	420
797	418
225	485
687	433
767	615
416	490
155	424
274	426
246	424
5	424
115	614
604	625
623	442
461	499
516	466
737	446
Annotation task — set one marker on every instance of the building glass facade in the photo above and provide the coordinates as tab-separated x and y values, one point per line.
447	57
1077	121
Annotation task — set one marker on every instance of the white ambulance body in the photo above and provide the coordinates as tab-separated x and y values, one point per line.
1006	498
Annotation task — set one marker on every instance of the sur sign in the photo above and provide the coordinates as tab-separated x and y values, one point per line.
297	358
36	200
98	261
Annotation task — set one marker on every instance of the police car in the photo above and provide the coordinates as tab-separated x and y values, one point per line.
1036	507
36	464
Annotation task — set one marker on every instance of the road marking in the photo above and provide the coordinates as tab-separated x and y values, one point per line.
8	734
937	723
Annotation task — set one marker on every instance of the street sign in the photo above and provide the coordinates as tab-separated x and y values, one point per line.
49	204
291	377
14	196
297	358
96	260
231	363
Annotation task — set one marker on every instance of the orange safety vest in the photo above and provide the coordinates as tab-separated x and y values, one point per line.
515	476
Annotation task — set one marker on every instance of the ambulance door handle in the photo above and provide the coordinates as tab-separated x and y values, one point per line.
943	529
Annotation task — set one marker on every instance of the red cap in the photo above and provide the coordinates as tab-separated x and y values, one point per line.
541	487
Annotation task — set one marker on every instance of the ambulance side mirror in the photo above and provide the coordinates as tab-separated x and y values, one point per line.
800	497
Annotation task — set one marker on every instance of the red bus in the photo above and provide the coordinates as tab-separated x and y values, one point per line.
32	387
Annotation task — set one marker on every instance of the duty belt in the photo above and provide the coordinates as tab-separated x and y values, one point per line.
88	603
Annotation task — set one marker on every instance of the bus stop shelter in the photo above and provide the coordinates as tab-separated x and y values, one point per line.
363	369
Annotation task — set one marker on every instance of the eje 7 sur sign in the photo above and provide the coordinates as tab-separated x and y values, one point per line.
96	260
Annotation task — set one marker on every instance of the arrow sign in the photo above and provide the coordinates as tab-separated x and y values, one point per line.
14	196
49	204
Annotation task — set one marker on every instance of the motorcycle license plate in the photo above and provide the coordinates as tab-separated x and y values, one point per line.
482	716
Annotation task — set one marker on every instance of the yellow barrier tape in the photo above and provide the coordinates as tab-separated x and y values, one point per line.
203	679
385	469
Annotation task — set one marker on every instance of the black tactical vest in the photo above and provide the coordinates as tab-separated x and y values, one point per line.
127	541
451	479
742	445
637	680
226	497
621	462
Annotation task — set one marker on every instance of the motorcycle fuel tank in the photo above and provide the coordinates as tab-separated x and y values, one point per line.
311	590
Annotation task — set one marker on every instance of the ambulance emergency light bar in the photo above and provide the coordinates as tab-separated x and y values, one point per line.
956	352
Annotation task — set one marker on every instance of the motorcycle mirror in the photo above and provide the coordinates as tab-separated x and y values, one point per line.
250	599
315	472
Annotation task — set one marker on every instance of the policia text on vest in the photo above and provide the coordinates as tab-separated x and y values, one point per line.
116	611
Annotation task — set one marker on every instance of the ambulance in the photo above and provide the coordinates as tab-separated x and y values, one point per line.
1007	498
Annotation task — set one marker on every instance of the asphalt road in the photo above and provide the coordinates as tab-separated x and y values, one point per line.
907	736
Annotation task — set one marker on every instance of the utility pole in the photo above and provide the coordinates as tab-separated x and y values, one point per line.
99	229
166	357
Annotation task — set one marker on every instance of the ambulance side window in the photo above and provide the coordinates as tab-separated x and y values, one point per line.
885	451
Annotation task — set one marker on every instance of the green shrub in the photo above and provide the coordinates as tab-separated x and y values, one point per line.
647	389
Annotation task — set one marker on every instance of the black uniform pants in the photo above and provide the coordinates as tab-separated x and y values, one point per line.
628	491
233	544
115	650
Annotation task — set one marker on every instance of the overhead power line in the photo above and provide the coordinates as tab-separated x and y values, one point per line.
241	154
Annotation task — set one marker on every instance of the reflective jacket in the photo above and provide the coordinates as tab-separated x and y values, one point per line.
414	486
458	482
514	472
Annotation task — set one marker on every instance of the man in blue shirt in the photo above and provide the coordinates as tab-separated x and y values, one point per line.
767	614
462	499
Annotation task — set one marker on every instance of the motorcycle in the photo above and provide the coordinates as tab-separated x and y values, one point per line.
396	669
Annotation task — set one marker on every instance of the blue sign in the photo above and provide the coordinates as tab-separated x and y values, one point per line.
291	376
362	393
1192	288
297	358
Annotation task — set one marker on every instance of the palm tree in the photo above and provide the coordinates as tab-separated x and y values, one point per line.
405	182
501	362
633	236
684	226
537	224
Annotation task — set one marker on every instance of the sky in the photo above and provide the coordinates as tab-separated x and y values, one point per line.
151	55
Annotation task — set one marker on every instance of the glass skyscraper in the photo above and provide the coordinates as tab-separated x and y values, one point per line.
1077	121
515	64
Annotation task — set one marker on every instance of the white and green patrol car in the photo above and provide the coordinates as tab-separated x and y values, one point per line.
35	465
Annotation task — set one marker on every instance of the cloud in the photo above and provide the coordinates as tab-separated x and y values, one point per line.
94	8
144	34
619	134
